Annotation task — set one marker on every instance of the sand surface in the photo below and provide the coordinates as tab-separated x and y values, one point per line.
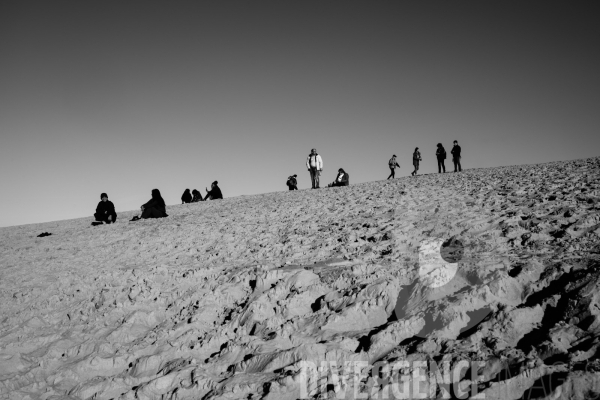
226	299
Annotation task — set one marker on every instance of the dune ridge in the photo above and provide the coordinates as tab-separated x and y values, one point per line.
226	299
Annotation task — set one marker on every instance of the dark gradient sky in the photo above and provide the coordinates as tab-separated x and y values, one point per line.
124	97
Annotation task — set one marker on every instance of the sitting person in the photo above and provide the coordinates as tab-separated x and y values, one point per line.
105	211
292	183
215	192
342	179
155	208
197	196
186	197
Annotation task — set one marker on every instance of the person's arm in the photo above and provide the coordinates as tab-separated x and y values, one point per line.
320	163
308	163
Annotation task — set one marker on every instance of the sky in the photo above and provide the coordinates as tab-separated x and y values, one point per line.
124	97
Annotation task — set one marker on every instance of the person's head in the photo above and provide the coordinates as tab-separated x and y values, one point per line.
215	183
313	151
104	197
416	149
341	171
187	190
156	196
439	145
294	175
195	191
394	156
455	142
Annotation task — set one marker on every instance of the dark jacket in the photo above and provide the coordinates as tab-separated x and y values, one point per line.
345	180
197	196
440	153
215	193
455	151
106	208
160	206
186	197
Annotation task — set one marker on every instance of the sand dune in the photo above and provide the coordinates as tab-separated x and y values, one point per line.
227	299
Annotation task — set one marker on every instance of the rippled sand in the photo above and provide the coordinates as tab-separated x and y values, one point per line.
225	299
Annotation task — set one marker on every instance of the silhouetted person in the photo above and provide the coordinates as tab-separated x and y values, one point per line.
342	179
155	208
292	182
105	211
186	197
456	156
214	193
416	160
314	164
393	164
440	153
197	196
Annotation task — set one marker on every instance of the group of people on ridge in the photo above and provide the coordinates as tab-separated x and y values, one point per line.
154	208
314	165
440	154
194	197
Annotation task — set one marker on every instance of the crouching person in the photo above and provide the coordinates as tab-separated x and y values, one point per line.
342	179
105	211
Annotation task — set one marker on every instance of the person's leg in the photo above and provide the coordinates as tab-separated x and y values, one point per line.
151	213
455	163
459	166
312	176
392	173
439	166
444	165
98	217
317	175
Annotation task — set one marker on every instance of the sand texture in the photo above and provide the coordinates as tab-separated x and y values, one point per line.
225	299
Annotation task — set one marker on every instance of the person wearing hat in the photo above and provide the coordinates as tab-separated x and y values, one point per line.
393	164
314	164
292	182
105	211
214	193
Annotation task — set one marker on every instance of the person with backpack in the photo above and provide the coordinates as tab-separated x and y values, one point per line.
314	164
456	156
292	182
197	196
440	154
186	197
416	160
393	164
214	193
154	208
342	179
105	211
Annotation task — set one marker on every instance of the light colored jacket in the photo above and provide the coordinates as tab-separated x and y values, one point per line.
314	161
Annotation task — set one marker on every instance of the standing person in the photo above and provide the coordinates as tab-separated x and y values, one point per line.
393	164
292	182
197	196
186	197
416	159
105	211
440	153
456	156
214	193
154	208
314	164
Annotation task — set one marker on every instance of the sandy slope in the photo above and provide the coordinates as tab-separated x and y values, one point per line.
224	299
